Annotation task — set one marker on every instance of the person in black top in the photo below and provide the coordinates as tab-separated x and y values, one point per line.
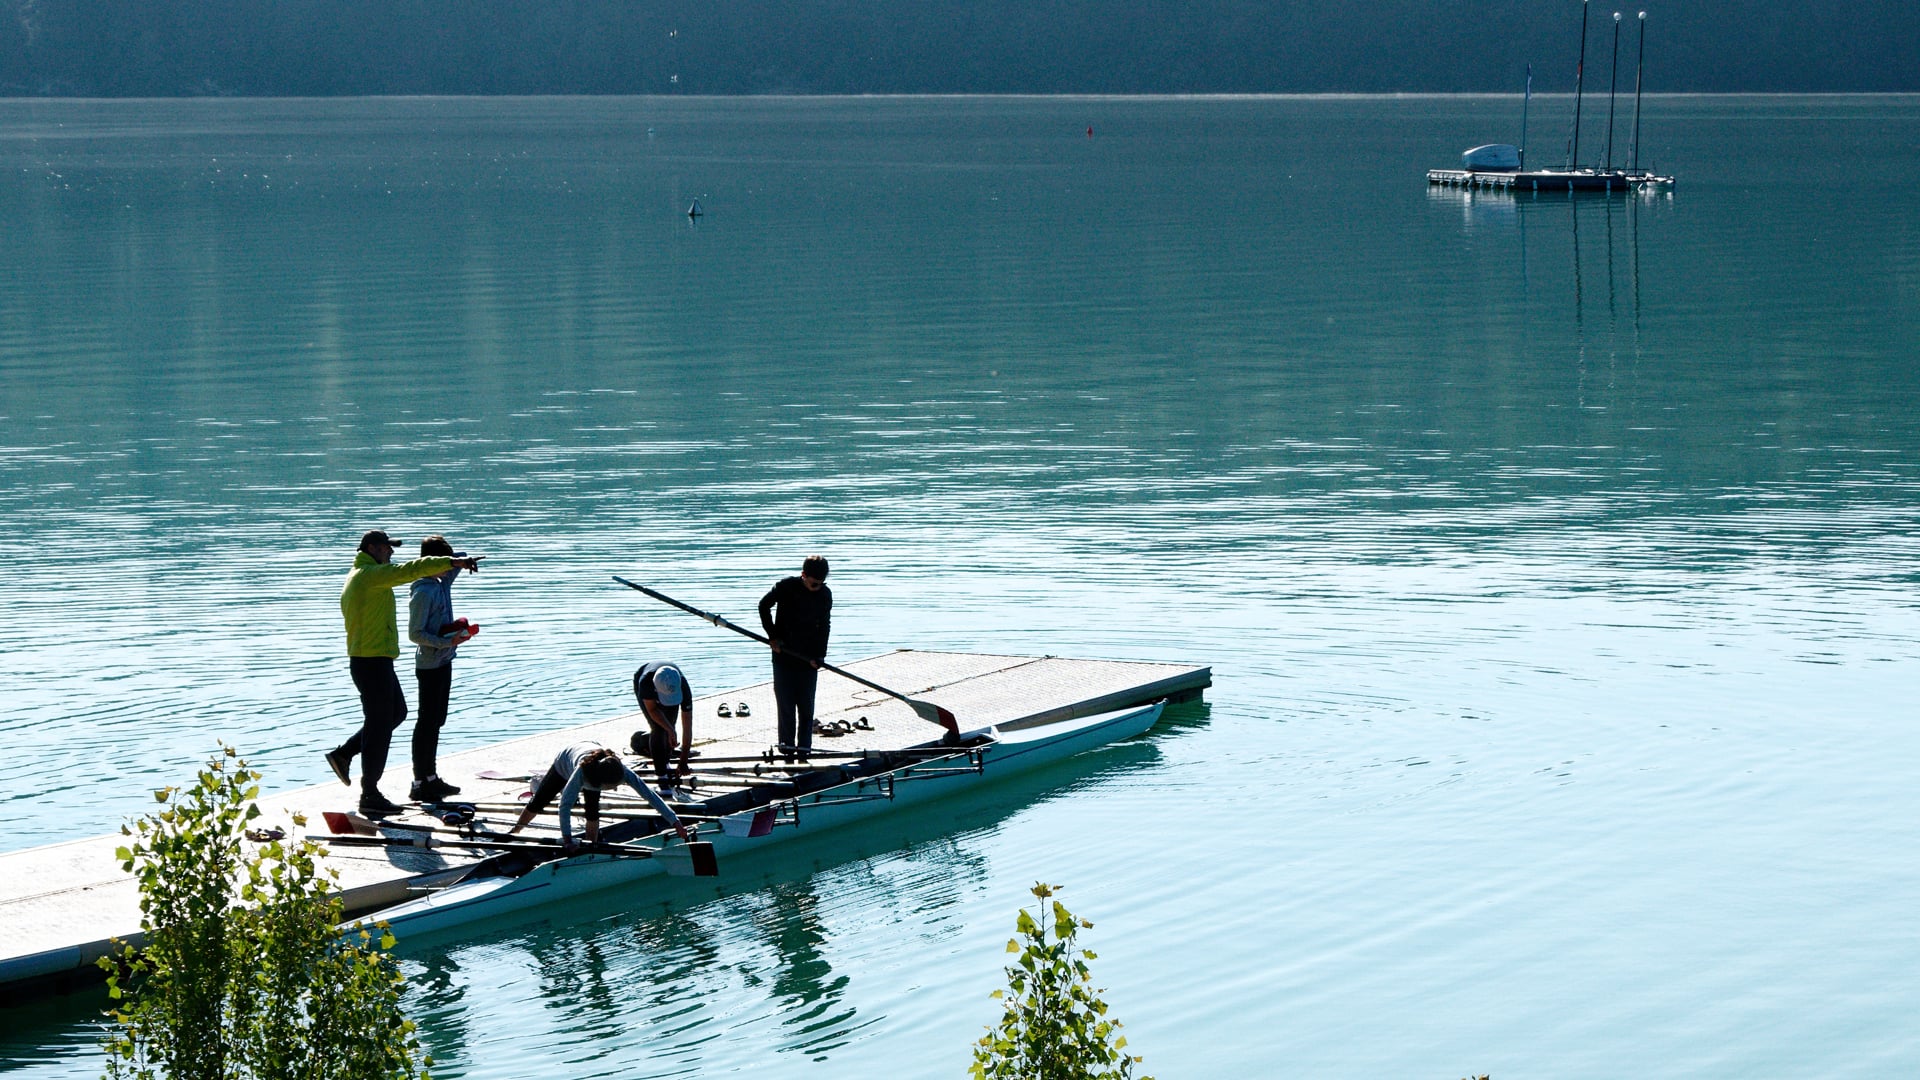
662	689
797	614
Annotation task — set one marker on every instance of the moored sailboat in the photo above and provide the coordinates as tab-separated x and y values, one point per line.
1501	166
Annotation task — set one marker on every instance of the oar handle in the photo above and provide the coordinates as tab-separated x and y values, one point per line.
691	610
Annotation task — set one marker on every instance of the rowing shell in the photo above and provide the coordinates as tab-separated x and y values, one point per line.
498	887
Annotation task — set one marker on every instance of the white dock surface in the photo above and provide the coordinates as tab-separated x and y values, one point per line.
62	904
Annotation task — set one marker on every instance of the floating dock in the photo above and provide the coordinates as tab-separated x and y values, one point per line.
1608	180
62	905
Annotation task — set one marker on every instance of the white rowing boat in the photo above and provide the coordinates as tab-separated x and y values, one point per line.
828	797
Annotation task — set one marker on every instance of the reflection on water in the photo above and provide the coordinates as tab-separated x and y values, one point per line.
1604	278
805	989
678	984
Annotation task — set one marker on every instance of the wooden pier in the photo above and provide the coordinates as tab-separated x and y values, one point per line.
62	905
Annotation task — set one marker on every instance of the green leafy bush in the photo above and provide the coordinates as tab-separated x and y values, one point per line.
1055	1026
243	972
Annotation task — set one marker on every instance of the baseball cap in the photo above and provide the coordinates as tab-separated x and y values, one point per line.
377	537
667	683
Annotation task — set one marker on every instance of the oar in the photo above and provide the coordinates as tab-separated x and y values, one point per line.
531	844
637	812
925	710
689	858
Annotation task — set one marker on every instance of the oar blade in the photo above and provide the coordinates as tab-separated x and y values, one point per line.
934	714
345	824
693	859
705	863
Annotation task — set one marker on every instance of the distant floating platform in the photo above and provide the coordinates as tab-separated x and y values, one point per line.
1551	180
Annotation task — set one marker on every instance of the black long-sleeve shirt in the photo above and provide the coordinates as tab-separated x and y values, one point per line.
797	617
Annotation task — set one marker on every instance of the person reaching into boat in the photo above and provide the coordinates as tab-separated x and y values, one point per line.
589	768
437	635
797	614
373	643
662	690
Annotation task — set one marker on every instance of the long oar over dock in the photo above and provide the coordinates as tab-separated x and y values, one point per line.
61	905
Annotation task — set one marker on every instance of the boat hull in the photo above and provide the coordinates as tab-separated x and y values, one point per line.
842	804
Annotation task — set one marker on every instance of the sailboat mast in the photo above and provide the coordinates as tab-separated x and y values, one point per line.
1579	80
1640	69
1525	104
1613	84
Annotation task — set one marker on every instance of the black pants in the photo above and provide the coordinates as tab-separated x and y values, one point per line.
383	707
549	788
793	686
436	687
658	745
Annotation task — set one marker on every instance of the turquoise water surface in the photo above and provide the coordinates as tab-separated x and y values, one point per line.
1554	558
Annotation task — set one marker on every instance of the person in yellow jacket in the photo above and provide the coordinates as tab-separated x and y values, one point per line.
373	642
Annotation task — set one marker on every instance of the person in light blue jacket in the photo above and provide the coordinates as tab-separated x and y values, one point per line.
437	635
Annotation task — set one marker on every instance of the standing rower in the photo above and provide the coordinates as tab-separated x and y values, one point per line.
797	614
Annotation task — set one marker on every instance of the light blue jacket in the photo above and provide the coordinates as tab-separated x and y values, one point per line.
429	612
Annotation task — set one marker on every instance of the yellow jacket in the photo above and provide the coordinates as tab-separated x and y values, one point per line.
367	602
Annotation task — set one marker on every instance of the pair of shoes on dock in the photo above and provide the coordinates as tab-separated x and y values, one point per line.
833	729
432	789
737	710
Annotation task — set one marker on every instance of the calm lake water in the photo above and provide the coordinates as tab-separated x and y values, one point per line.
1555	559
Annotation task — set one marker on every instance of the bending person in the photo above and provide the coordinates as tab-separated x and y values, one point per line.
661	689
590	768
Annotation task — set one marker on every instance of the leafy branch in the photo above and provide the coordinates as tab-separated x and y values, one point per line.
244	972
1055	1026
